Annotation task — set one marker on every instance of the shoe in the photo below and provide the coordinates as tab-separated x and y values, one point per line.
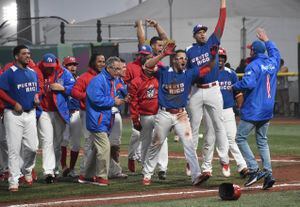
4	176
49	178
72	174
34	175
13	188
66	171
268	182
226	170
100	181
22	179
244	172
82	179
121	176
188	170
28	180
254	177
131	165
202	178
162	175
146	181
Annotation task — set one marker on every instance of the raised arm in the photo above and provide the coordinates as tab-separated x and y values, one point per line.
221	22
140	32
160	31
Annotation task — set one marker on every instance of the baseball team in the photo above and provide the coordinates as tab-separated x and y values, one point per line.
48	105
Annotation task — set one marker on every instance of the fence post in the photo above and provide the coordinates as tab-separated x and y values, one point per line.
109	33
62	32
99	38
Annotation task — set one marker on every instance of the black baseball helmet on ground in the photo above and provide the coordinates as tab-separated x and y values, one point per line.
229	191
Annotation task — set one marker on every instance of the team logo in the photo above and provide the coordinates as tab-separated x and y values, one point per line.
150	92
49	60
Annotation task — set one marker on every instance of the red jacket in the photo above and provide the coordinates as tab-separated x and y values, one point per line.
134	69
79	89
144	96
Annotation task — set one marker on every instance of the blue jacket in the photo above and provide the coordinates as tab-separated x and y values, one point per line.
99	101
259	85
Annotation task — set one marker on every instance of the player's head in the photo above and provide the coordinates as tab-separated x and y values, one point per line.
145	53
21	55
114	66
71	64
199	33
124	68
49	63
157	45
179	60
222	57
97	62
257	47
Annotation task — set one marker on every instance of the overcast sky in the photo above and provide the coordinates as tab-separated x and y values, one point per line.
81	10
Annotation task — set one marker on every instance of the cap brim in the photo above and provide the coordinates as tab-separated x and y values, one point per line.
49	65
145	53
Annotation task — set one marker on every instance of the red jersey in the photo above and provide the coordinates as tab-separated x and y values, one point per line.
79	89
144	96
134	69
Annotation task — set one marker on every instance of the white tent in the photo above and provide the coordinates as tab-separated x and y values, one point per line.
280	18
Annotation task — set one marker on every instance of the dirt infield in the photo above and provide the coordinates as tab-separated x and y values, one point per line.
286	180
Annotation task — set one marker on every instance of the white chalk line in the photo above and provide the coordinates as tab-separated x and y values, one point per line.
142	196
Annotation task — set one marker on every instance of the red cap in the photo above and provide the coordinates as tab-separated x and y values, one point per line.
69	60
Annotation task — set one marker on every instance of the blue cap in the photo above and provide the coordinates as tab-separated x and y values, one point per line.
49	60
199	27
258	47
145	49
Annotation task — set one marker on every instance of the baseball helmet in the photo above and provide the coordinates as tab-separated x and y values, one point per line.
229	191
222	52
69	60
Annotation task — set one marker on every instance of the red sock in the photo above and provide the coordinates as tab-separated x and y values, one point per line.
74	156
63	158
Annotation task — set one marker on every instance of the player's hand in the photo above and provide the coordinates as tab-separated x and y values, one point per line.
56	87
239	100
127	98
261	34
138	23
36	100
18	108
214	50
151	22
137	125
169	48
119	101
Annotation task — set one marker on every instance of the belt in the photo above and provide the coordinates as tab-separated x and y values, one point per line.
27	111
173	111
207	85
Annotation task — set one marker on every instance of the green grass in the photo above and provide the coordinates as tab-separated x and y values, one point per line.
284	140
282	199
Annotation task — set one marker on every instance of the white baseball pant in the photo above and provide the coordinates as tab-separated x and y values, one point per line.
164	121
3	149
51	128
230	128
209	99
21	131
73	132
135	145
148	122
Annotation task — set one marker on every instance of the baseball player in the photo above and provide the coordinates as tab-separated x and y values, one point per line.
96	63
143	109
73	131
19	90
227	77
174	86
58	83
206	94
259	85
100	99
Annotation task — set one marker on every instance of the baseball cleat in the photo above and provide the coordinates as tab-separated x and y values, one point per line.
146	181
28	180
202	178
254	177
13	188
226	170
268	182
84	180
49	179
66	171
100	181
162	175
244	172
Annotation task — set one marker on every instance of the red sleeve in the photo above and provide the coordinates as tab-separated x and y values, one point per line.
134	107
221	23
79	89
128	76
6	98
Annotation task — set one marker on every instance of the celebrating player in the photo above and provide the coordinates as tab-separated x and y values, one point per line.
259	85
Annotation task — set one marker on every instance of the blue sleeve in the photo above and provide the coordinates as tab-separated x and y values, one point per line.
249	79
69	82
96	94
234	77
4	80
193	73
213	40
38	84
274	54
